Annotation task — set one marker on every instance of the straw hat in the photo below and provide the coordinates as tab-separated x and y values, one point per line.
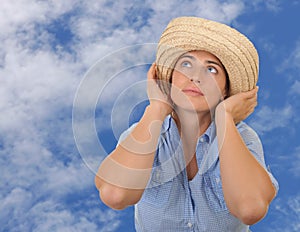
235	51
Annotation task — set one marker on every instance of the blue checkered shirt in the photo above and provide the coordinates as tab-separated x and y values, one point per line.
172	203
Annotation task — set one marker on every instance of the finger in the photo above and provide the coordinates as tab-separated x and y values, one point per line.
252	100
251	93
255	90
252	106
152	72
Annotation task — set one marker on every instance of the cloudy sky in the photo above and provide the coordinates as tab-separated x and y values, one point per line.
66	68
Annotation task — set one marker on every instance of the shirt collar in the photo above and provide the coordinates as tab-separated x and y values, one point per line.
211	157
166	124
208	135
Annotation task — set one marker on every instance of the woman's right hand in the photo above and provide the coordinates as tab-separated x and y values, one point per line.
159	101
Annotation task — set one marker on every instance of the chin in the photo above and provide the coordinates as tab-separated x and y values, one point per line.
193	105
194	108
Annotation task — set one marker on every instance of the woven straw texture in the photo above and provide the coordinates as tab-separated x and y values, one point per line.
235	51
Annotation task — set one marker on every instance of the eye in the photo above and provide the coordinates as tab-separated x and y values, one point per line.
212	70
186	64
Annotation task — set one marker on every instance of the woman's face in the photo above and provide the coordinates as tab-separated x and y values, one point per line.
198	82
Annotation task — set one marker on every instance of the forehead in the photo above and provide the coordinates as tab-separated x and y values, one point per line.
203	58
201	55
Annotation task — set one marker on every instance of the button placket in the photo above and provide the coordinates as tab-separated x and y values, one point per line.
189	224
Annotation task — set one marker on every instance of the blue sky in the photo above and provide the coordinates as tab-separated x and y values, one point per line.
50	50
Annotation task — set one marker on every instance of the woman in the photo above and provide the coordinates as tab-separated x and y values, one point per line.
190	163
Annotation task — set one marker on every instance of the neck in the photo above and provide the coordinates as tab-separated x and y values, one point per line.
191	126
191	123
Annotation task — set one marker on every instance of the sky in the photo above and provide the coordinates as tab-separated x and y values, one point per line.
66	68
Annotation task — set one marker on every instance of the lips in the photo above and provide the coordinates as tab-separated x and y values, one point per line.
192	91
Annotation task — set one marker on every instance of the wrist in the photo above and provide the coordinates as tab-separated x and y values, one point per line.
221	113
157	112
220	109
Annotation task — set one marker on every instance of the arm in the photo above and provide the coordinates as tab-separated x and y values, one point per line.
247	187
124	174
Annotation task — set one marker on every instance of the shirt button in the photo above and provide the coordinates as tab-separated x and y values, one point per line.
190	225
157	175
201	139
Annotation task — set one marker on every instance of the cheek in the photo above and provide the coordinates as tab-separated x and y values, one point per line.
213	87
179	98
176	94
213	91
178	80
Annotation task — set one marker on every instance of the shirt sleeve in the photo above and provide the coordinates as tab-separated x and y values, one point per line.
126	133
254	145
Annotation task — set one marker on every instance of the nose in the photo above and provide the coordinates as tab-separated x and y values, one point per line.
196	81
198	75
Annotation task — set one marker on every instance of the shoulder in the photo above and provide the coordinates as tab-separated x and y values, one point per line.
248	134
252	141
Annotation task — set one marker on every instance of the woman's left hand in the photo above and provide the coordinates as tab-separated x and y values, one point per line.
240	105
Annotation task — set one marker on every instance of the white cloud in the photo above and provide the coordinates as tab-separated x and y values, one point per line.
267	118
39	164
295	57
289	69
20	15
295	89
287	163
295	163
223	11
49	215
292	61
287	209
271	5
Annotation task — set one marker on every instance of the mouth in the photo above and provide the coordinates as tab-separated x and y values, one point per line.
192	92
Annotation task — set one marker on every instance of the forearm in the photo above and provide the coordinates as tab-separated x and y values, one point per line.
246	185
126	171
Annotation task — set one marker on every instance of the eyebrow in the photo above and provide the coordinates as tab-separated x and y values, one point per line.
216	63
207	61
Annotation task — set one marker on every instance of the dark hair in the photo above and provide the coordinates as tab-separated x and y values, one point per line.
227	85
